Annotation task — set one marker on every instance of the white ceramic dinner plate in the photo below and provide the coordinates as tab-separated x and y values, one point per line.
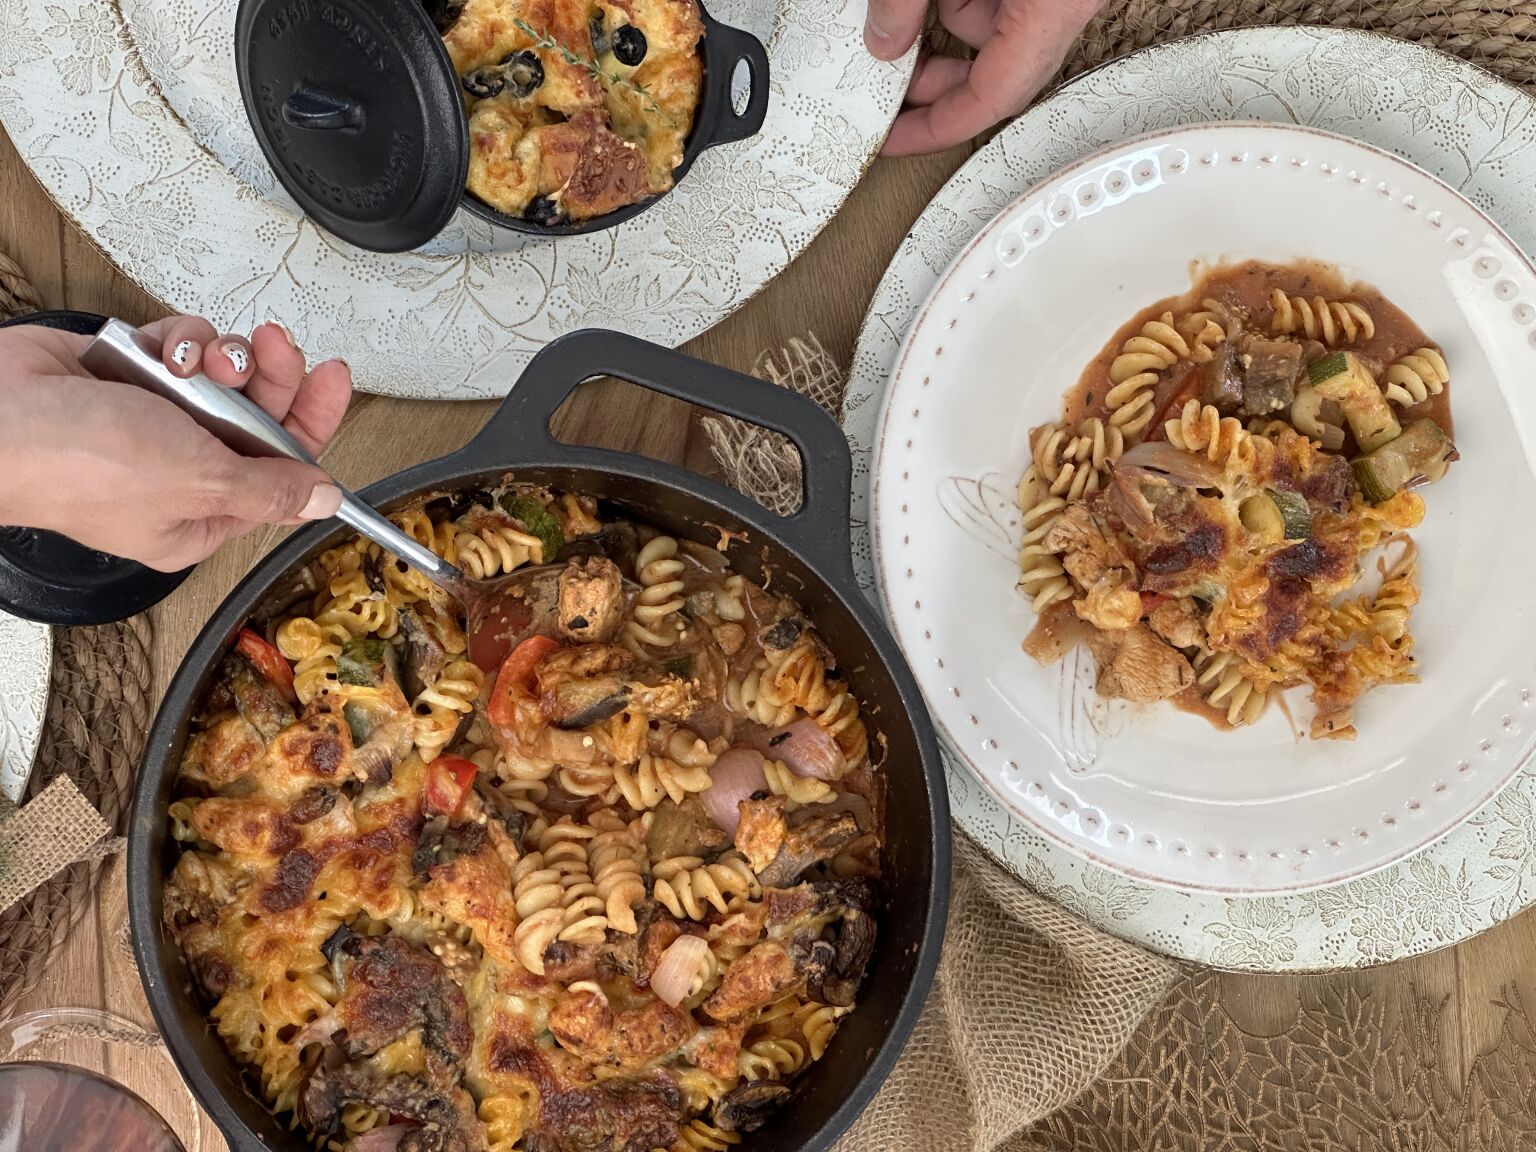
25	652
129	115
1147	790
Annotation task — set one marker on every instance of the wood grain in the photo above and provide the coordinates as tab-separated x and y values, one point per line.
825	291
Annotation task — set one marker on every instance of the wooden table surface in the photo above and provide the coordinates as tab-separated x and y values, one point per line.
825	291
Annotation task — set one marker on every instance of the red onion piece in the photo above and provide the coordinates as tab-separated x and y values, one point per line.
733	778
672	978
380	1139
806	749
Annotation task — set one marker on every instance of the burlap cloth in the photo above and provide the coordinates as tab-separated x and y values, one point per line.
52	848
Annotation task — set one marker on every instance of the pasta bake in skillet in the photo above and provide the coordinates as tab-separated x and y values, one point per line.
601	880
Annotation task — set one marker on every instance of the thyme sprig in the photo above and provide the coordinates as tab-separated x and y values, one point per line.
550	44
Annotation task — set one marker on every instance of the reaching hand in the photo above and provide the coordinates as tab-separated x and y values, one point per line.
1019	45
119	469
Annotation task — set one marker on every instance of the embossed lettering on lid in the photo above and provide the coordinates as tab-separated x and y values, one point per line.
356	106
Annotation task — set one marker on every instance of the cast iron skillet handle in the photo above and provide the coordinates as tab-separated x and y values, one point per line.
520	428
729	47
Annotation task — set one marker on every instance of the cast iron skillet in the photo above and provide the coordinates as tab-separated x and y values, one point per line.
715	121
808	555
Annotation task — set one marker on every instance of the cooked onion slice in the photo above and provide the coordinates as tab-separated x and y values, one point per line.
318	1031
733	778
1187	469
672	979
806	748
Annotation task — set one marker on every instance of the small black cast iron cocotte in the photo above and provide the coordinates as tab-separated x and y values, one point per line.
360	116
807	555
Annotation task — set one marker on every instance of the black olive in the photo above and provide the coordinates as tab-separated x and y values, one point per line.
484	82
629	45
543	210
444	13
600	44
524	73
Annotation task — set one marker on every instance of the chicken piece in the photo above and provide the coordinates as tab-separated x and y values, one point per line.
1135	665
1086	548
393	987
588	1027
818	838
715	1049
1177	622
425	653
1110	605
664	696
754	981
761	832
222	753
591	600
475	889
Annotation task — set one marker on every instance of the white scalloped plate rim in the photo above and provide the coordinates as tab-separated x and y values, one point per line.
26	653
129	116
1104	779
1485	870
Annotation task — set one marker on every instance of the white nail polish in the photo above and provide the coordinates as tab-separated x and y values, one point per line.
237	356
182	353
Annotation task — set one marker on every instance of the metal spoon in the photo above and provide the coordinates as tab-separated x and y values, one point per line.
121	352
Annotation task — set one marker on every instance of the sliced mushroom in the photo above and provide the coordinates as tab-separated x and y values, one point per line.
746	1108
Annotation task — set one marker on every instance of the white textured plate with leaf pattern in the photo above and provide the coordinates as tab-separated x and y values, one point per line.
130	116
1455	121
25	651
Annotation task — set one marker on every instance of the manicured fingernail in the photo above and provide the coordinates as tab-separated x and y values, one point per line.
324	502
237	355
873	30
184	353
287	335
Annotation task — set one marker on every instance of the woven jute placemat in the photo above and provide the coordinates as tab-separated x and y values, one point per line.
97	717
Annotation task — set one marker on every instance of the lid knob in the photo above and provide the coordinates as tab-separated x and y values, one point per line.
308	108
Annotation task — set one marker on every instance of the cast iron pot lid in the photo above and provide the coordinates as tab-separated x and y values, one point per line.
357	107
51	579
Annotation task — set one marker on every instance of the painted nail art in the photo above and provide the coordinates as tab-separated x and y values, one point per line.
237	356
182	353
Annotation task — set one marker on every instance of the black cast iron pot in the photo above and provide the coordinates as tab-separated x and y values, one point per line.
359	113
808	555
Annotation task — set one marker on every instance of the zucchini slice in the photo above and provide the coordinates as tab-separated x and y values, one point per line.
1421	455
1276	516
1341	377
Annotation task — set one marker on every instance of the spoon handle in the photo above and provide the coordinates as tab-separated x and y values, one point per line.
122	352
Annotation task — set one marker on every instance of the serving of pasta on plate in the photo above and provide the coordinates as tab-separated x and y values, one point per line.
603	880
1221	512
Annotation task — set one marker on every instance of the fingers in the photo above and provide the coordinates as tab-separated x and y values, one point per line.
183	340
891	26
972	21
266	491
280	369
935	76
1032	38
320	404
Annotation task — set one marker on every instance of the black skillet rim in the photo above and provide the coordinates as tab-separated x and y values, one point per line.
828	563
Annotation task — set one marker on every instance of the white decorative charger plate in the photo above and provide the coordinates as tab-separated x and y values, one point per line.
1154	792
25	651
130	117
1458	123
